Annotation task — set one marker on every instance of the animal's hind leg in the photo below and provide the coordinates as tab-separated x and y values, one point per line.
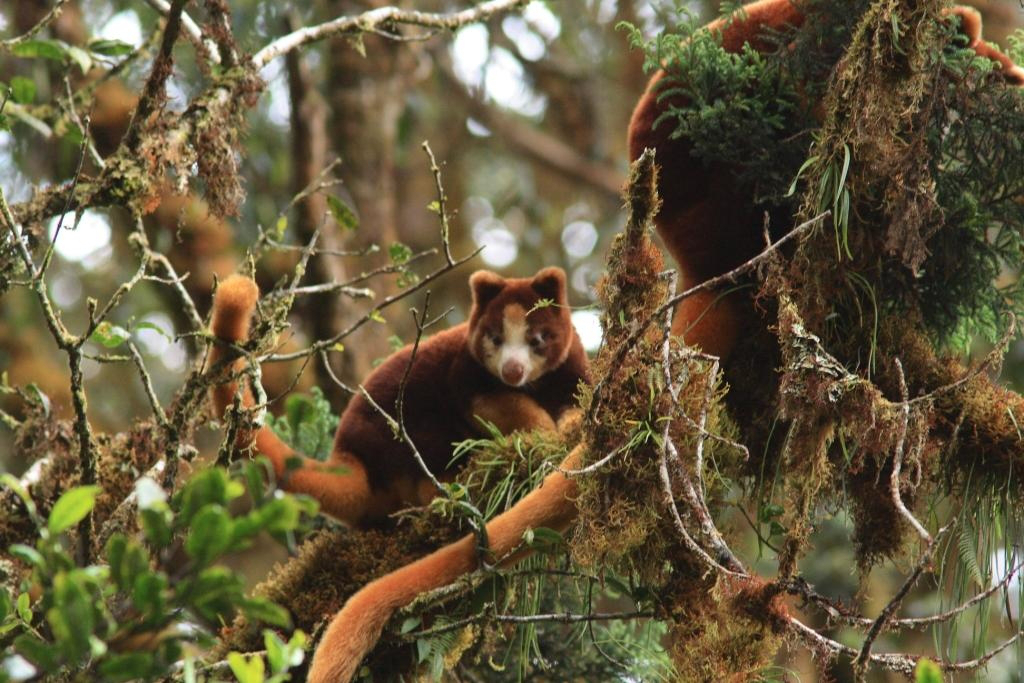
340	484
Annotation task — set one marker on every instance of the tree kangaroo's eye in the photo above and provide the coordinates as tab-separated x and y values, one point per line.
495	338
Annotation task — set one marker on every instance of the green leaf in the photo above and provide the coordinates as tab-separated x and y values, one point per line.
115	552
148	594
41	399
770	511
110	48
48	49
155	523
543	539
40	653
246	669
126	667
276	655
342	213
24	608
927	671
308	425
280	515
127	561
73	133
409	624
71	618
23	90
210	534
423	649
263	610
399	253
12	482
80	57
357	44
297	648
616	584
437	665
109	335
71	508
209	487
214	594
146	325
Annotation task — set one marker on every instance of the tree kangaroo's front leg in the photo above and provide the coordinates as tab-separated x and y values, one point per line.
511	411
356	628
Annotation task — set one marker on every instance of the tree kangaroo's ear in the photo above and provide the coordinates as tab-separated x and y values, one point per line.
354	631
485	285
549	283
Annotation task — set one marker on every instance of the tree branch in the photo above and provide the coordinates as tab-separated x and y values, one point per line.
378	18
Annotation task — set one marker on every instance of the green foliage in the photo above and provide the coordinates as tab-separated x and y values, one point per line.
59	51
927	671
307	425
749	111
501	470
109	335
23	90
342	213
71	508
401	256
280	656
736	108
976	141
131	617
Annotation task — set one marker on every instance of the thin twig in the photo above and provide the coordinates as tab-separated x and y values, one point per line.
668	449
83	125
860	662
49	18
558	618
897	459
353	292
710	284
376	18
147	384
326	344
206	47
442	201
153	93
798	586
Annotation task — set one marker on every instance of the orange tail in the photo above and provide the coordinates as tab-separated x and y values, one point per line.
355	630
340	485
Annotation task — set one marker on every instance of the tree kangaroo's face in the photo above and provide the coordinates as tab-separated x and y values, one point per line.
519	329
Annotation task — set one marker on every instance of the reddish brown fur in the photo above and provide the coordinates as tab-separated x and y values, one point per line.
709	227
370	473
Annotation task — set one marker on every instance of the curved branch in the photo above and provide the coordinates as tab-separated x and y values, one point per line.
376	19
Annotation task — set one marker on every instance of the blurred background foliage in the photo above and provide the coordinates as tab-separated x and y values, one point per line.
526	114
